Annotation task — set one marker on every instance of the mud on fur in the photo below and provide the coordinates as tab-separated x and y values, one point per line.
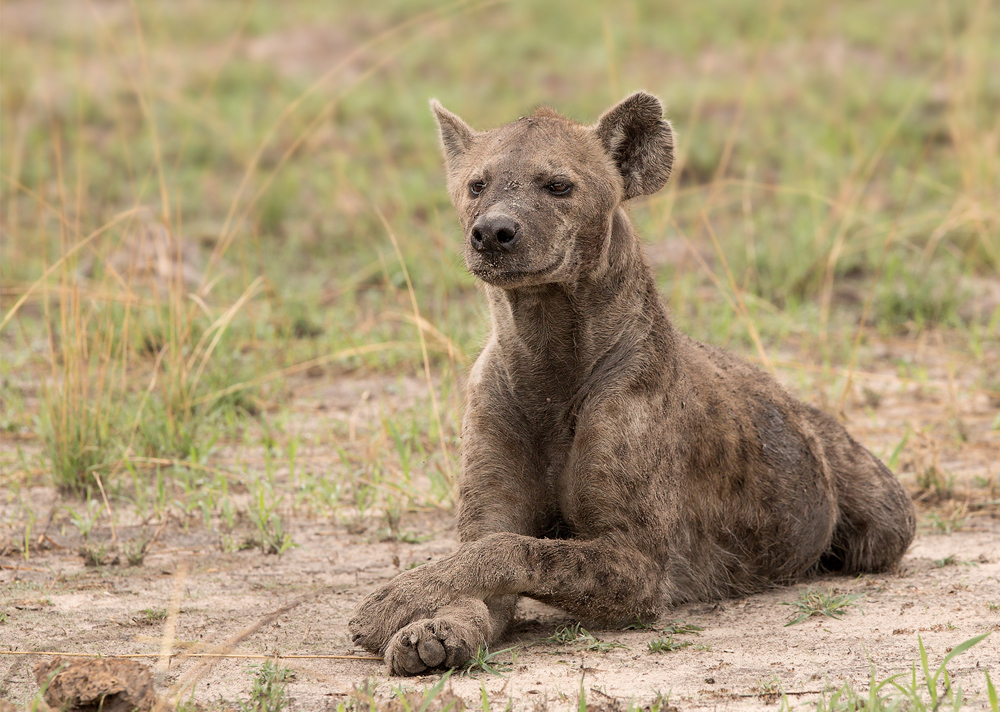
612	466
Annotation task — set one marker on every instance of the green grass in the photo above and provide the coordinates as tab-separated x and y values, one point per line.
667	645
919	690
946	522
580	638
826	160
135	550
271	535
433	698
151	616
269	690
488	661
812	602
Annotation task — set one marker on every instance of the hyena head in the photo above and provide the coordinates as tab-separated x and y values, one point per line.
536	197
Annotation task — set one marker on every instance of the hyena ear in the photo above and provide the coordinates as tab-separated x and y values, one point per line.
640	141
456	135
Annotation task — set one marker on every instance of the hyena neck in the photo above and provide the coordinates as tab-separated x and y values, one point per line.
611	315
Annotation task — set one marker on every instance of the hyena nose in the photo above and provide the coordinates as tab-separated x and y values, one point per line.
495	232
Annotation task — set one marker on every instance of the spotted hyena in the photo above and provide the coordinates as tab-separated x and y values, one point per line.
611	465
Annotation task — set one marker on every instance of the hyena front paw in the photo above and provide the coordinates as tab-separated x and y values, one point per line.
430	643
408	597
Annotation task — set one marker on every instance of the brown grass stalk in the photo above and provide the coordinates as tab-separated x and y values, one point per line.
423	347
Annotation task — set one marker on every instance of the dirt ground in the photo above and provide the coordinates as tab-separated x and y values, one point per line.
56	604
244	602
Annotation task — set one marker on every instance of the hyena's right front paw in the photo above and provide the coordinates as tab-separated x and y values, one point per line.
431	643
411	596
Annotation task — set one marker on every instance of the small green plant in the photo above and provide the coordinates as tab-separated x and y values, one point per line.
26	545
952	560
821	603
580	638
364	498
660	702
135	551
666	645
640	624
486	661
893	460
85	521
769	688
268	693
986	482
271	535
3	616
681	628
410	537
946	524
229	544
935	484
403	442
432	699
674	627
361	698
152	616
98	554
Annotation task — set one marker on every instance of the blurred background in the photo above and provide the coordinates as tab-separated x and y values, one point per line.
209	209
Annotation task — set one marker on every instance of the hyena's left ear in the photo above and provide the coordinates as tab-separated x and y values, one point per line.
640	141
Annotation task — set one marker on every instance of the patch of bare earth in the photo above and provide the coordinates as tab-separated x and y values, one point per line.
193	595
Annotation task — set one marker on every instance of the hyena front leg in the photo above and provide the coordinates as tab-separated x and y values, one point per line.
596	579
422	619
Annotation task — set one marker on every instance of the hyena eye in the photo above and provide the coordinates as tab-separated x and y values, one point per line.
559	187
477	186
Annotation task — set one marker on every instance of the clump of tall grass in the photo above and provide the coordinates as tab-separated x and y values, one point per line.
179	401
81	405
126	373
81	398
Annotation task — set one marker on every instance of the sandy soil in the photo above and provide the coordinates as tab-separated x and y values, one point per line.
244	602
56	603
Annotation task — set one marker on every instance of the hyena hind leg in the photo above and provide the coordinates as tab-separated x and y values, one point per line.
876	520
